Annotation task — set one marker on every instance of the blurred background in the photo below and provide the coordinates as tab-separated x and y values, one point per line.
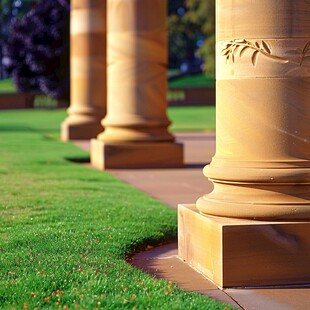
34	47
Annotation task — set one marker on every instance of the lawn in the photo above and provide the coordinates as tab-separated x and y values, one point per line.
196	80
7	86
199	118
66	229
196	118
199	80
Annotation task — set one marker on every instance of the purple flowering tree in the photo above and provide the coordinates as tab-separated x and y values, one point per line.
37	51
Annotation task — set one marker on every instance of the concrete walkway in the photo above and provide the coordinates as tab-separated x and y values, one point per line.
174	186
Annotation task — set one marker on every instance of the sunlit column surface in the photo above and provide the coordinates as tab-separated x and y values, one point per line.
137	86
261	168
253	228
88	70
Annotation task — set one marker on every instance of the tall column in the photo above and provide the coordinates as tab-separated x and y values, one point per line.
88	70
136	123
261	169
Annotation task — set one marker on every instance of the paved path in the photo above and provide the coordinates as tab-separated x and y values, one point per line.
174	186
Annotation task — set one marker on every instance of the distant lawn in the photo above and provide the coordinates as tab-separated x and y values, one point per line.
201	118
199	80
66	230
7	86
196	80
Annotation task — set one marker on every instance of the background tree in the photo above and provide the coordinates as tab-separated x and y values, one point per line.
202	14
9	11
182	43
191	25
38	49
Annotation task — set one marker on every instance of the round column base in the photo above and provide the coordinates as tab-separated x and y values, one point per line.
135	134
257	201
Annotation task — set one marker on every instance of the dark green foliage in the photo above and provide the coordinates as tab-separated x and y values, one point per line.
192	33
183	34
174	5
202	14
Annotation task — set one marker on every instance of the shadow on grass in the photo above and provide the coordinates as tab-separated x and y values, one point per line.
47	133
79	160
86	160
13	128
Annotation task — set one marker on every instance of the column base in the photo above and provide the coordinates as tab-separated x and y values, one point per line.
239	253
83	131
136	155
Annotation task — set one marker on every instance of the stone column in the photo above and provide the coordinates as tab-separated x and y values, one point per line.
88	70
136	124
261	169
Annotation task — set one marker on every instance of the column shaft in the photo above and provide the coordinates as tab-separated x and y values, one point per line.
88	70
261	168
137	60
137	87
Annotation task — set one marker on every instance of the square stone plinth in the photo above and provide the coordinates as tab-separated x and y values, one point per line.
239	253
136	155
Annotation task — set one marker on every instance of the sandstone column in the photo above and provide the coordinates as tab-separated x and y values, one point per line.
88	70
261	169
136	124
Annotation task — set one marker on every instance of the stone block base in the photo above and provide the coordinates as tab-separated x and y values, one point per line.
239	253
83	131
136	155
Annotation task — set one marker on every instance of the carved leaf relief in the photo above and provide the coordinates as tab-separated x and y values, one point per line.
267	47
231	47
243	50
303	54
254	58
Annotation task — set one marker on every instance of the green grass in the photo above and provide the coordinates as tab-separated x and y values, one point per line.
199	80
44	102
171	72
66	230
7	86
200	118
196	80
